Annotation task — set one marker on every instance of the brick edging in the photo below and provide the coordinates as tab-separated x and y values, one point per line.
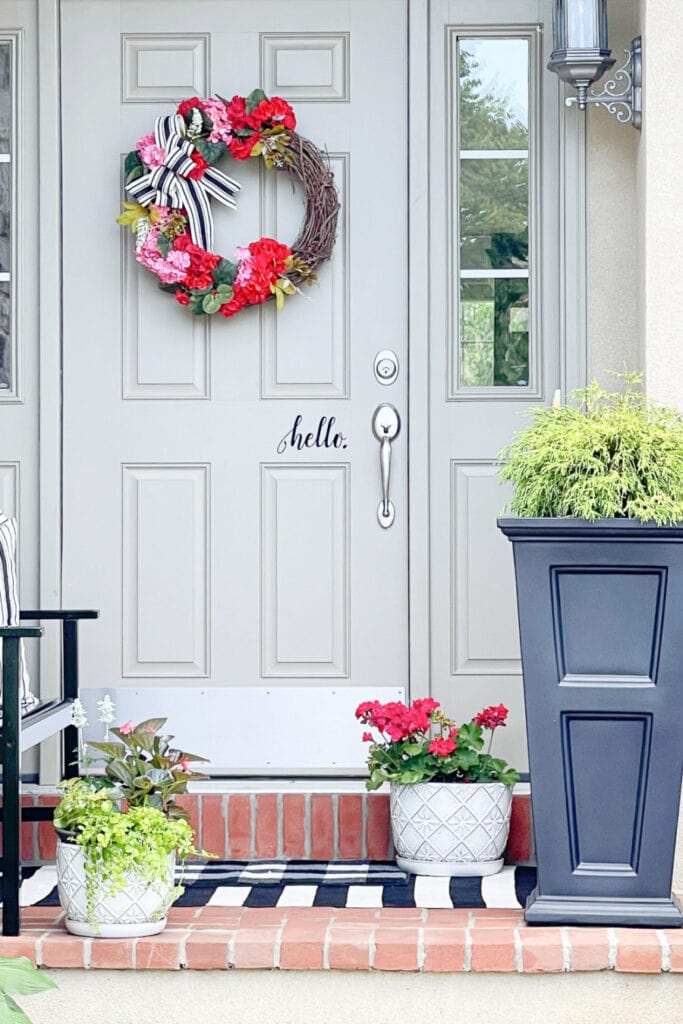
320	938
284	825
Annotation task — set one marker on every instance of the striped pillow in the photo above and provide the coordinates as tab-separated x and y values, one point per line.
9	599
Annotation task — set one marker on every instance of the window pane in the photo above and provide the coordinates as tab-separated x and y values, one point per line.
494	93
494	332
494	214
5	204
5	336
5	96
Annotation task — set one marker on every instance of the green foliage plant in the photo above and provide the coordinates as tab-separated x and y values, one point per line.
145	767
19	977
117	843
419	743
608	455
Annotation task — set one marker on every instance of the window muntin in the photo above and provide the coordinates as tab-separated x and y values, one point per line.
492	141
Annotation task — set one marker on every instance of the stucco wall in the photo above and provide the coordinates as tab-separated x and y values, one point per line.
660	198
612	153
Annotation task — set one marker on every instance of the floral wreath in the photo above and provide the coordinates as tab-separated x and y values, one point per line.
171	174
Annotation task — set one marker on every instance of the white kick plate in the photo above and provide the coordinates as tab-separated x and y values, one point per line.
284	730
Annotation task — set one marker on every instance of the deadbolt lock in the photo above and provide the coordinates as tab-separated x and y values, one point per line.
386	366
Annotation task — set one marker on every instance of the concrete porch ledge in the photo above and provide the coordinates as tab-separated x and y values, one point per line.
327	939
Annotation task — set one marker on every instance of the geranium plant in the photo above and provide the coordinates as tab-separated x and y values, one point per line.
419	743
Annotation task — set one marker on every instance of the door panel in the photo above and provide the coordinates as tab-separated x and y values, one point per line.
495	327
239	572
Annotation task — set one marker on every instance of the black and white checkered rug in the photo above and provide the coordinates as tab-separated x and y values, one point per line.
318	884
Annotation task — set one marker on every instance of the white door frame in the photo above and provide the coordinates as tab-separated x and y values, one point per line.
573	328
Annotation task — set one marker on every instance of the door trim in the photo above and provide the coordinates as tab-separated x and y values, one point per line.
50	355
419	618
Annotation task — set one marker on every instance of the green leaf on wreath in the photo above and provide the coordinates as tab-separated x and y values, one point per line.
254	98
172	288
195	305
164	244
225	272
211	303
210	151
132	160
135	173
225	292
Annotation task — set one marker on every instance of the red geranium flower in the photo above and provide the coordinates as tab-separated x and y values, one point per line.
198	275
200	165
237	302
275	111
237	112
442	747
491	718
182	297
241	148
187	105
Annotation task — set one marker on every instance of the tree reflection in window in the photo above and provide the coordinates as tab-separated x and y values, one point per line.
493	192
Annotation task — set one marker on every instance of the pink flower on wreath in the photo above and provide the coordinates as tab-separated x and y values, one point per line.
171	270
442	747
127	728
222	125
149	152
491	718
368	737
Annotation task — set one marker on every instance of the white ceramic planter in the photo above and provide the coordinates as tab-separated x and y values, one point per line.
450	828
139	910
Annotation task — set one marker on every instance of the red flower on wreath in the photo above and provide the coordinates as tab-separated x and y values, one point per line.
241	148
237	113
198	275
275	110
187	105
200	166
237	302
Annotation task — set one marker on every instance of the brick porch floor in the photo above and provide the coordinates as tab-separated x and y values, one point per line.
321	939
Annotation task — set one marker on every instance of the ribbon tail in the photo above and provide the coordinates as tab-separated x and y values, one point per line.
200	221
142	189
220	186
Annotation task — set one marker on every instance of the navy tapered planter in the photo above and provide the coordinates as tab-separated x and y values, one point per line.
601	628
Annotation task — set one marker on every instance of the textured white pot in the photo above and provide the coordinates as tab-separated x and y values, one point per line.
139	910
450	828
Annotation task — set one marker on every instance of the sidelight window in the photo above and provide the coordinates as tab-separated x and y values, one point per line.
492	211
7	101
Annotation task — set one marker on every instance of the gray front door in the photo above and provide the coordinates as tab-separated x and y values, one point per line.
245	585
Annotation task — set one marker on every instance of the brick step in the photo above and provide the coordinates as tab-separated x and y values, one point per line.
300	826
325	939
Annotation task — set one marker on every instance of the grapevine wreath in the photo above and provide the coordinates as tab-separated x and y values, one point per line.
172	173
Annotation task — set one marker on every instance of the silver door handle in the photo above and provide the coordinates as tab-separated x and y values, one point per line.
386	426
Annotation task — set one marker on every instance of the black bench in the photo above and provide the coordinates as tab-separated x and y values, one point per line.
21	731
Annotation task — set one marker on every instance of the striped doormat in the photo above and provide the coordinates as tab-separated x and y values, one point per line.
318	884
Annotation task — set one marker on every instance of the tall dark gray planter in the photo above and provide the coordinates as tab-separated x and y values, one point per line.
601	627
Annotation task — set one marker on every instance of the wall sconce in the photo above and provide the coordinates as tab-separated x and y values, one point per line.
581	56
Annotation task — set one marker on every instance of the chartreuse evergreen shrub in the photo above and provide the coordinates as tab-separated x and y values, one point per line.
607	455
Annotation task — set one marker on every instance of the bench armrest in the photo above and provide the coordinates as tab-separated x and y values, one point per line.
20	631
58	613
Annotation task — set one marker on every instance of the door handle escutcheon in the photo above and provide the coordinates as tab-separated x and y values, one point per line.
386	426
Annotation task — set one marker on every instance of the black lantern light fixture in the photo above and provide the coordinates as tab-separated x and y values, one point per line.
581	56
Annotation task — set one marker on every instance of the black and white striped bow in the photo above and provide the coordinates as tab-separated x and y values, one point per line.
169	185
